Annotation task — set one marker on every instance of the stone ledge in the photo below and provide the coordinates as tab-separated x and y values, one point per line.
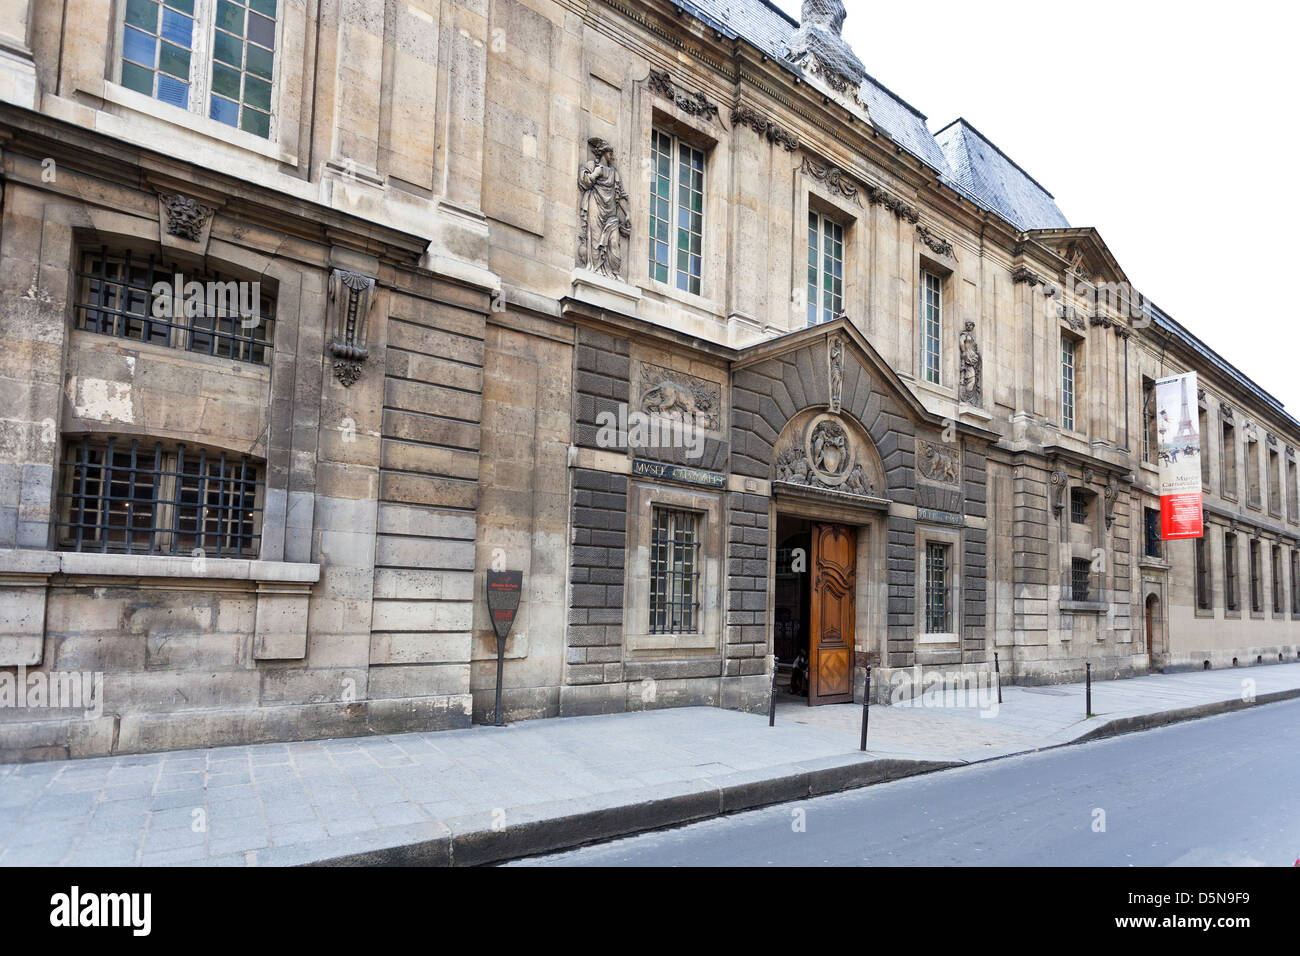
44	563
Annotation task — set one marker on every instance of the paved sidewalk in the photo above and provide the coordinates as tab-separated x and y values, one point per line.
487	794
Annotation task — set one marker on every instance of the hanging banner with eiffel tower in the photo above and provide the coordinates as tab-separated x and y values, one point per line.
1179	452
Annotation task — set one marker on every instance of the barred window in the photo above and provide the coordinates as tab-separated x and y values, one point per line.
147	300
931	325
1153	540
825	269
1078	506
676	212
1295	582
1203	597
124	495
674	572
1276	567
1080	579
1231	596
1068	367
1256	585
938	615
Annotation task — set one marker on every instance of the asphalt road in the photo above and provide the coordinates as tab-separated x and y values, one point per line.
1222	791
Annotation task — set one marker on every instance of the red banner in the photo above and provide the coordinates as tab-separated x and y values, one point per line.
1181	517
1179	451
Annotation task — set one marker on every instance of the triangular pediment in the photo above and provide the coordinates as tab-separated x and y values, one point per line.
1081	253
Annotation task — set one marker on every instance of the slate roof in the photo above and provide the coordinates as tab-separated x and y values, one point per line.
982	172
990	174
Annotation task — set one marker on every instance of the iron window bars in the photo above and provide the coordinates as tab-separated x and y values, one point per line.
1078	506
126	496
1083	583
674	572
1231	596
115	296
936	589
1153	538
1202	575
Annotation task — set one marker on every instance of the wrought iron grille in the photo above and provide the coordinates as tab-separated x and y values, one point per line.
936	589
126	496
1078	506
1256	584
1081	588
1231	595
115	296
674	572
1275	565
1202	575
1153	538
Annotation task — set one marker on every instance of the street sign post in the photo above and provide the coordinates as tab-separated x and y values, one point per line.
503	589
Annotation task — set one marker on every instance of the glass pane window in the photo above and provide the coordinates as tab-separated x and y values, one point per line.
243	54
676	212
158	48
931	325
937	573
674	572
825	269
166	54
1068	349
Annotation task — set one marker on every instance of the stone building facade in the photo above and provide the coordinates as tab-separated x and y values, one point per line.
651	302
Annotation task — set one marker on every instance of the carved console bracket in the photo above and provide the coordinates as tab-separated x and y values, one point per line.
1111	495
352	296
938	245
1060	481
746	116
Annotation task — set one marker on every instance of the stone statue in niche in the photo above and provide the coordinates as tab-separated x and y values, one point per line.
972	367
605	221
836	353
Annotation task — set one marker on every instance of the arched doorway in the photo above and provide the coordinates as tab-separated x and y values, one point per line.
1152	627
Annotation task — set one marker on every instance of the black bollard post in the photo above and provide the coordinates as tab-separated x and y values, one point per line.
866	706
1088	679
771	707
997	675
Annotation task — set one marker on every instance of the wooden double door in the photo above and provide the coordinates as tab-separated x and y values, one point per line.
832	614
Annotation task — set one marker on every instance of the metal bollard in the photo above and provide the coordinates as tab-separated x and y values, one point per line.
771	707
866	706
1088	679
997	671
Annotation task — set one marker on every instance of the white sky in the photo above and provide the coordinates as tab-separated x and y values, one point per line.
1170	127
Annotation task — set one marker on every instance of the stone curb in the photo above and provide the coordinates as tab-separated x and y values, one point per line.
473	840
1128	725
